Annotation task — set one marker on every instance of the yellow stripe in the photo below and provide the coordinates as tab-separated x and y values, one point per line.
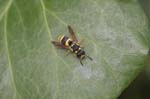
67	42
82	56
72	45
79	49
60	38
76	52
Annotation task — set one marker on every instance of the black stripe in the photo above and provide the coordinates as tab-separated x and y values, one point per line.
63	41
75	47
80	53
70	43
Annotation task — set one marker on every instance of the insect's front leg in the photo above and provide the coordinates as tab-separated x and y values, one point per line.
80	43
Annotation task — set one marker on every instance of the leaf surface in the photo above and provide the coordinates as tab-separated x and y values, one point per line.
115	34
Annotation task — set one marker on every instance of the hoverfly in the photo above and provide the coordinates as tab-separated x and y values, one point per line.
72	45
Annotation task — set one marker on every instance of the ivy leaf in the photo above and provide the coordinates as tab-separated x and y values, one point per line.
115	34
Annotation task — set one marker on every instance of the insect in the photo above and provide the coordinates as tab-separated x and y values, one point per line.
72	45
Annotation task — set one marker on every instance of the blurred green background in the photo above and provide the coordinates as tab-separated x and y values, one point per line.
140	87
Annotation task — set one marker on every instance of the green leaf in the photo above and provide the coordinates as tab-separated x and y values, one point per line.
115	34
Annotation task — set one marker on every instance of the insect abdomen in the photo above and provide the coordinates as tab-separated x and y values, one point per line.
64	40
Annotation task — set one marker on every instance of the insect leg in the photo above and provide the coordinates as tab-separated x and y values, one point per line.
67	52
72	34
81	41
89	57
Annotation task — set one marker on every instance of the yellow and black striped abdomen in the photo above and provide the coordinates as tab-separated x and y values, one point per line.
64	40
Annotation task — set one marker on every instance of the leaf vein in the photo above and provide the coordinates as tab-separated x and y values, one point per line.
8	55
6	9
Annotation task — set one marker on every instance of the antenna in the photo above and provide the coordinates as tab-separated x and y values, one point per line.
89	57
81	62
